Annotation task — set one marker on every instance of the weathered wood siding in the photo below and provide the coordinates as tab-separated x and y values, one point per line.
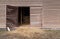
35	15
2	16
35	9
22	2
25	2
51	14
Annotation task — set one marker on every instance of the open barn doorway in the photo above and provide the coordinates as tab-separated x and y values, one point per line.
23	15
16	16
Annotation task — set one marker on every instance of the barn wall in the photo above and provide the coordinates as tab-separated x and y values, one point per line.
51	14
34	4
2	16
24	2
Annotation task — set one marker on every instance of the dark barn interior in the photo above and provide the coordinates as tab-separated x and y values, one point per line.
23	15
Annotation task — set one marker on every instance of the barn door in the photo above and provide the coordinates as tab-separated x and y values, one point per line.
11	16
36	16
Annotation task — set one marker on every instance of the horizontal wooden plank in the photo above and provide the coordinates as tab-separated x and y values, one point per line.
51	18
51	4
22	2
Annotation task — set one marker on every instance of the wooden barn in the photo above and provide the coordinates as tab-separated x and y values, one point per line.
37	13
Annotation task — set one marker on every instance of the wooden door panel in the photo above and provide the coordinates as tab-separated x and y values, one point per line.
12	16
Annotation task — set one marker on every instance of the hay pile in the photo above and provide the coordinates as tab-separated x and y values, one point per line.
24	33
30	33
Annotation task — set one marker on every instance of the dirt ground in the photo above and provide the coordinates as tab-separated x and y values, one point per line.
31	33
